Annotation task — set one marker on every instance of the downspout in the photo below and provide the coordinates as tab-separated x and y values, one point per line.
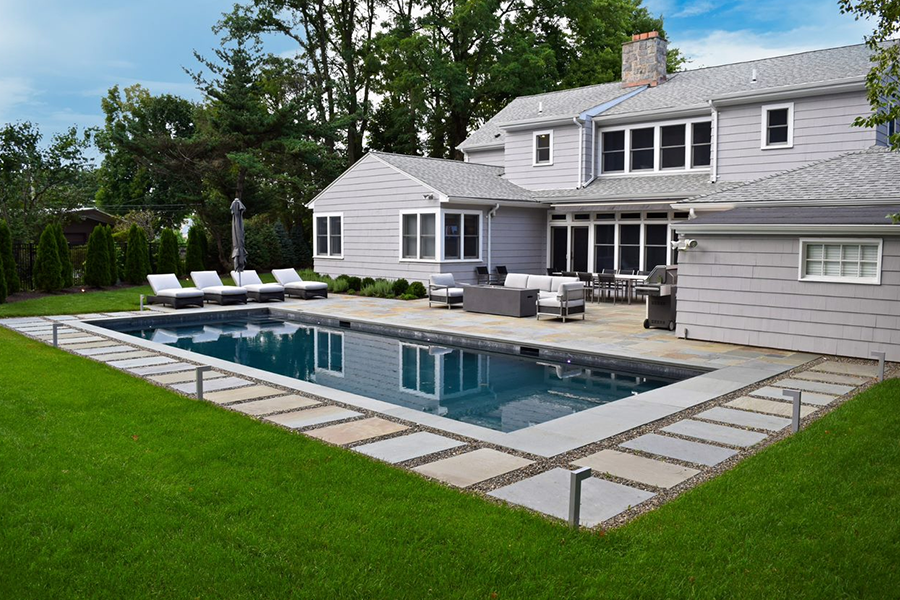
593	154
491	214
580	127
714	171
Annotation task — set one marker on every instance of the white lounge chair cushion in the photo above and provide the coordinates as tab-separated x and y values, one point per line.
286	276
444	279
181	293
224	290
541	282
454	292
263	288
247	277
306	285
516	280
555	302
206	279
166	281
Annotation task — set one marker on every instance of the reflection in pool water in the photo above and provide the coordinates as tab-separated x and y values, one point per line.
497	391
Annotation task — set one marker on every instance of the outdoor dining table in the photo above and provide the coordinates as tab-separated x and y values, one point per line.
629	281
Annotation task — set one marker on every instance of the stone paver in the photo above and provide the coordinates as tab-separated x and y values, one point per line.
692	452
720	434
408	447
814	386
861	370
357	431
313	416
215	385
80	340
637	468
743	418
104	349
184	376
140	362
163	368
274	405
470	468
91	316
853	380
772	407
123	355
253	392
63	318
805	398
548	493
104	344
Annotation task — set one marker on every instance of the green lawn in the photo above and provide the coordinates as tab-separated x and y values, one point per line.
111	487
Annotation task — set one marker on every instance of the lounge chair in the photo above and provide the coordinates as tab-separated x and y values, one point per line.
568	301
215	291
167	290
442	290
256	289
296	287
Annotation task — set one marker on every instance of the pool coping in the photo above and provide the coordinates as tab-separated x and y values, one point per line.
546	440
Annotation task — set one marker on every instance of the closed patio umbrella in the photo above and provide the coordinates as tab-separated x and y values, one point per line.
238	252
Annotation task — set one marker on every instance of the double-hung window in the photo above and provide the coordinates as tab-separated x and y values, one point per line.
672	146
462	236
613	151
543	148
841	261
418	236
328	233
777	126
701	142
642	148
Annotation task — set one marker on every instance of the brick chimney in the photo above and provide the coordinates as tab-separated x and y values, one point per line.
644	60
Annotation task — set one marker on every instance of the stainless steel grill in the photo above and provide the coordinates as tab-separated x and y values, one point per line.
659	288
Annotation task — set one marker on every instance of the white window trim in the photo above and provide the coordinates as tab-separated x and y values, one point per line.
657	148
804	242
438	237
330	335
316	254
534	137
764	125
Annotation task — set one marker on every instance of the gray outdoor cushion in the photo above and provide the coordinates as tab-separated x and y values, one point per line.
555	302
541	282
454	292
442	279
306	285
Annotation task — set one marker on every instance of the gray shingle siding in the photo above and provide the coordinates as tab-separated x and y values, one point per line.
490	156
563	173
744	290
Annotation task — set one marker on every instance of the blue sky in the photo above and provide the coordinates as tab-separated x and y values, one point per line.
58	58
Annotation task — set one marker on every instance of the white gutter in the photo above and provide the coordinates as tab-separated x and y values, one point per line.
490	215
785	228
714	167
771	203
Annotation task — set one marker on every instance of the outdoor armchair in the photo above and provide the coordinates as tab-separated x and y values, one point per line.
568	301
442	290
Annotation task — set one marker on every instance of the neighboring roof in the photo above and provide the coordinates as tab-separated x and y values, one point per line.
869	176
564	103
93	213
800	215
457	179
640	187
698	86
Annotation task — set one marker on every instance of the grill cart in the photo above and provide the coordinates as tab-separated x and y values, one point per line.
660	291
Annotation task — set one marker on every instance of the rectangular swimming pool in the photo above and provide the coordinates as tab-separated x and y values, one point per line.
499	391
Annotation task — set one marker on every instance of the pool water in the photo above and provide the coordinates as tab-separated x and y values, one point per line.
498	391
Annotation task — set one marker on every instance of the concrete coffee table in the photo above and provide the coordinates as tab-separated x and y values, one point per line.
500	300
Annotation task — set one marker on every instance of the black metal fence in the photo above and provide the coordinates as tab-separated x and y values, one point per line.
25	254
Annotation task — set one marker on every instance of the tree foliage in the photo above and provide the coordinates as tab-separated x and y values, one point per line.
112	253
167	259
3	289
96	264
47	273
9	271
137	256
65	256
195	257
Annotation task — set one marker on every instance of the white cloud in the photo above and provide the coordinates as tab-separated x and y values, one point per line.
693	9
14	91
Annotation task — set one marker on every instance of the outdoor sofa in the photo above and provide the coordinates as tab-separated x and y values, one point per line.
295	286
167	290
256	289
215	291
442	290
557	296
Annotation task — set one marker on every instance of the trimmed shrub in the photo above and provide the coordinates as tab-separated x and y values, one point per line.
354	283
66	271
2	281
195	259
417	290
340	286
47	272
302	251
167	253
368	282
9	273
112	253
342	276
400	286
96	265
137	256
408	297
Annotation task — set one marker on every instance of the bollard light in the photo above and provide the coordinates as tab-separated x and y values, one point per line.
142	303
575	479
880	357
56	335
200	371
795	421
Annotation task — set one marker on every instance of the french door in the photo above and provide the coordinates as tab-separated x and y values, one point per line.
569	248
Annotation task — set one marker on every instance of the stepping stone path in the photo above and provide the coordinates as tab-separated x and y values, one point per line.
96	349
80	340
720	434
770	406
637	468
274	405
163	368
313	416
140	362
211	386
253	392
407	447
549	493
183	377
692	452
843	368
853	380
814	386
805	398
474	467
743	418
132	353
357	431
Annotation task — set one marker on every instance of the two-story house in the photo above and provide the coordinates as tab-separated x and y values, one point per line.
600	177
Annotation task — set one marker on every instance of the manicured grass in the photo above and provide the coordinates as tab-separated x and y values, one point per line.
111	487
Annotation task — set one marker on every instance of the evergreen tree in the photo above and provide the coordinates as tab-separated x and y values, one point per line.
96	264
47	272
195	259
65	257
167	253
2	281
113	256
302	252
137	261
9	272
288	254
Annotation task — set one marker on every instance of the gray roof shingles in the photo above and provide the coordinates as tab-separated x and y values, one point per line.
801	215
641	186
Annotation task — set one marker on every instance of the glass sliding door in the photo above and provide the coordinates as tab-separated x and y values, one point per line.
656	240
580	248
629	247
559	248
